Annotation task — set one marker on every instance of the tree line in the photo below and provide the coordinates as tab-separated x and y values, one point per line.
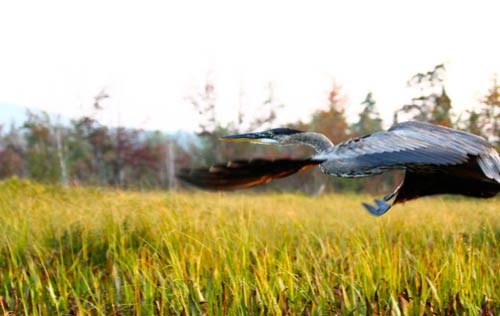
85	152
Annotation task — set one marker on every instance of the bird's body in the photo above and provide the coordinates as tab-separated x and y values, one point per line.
410	146
436	160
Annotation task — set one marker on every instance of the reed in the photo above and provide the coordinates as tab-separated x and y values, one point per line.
92	251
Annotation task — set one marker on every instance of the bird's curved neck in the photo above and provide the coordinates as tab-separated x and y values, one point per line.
317	141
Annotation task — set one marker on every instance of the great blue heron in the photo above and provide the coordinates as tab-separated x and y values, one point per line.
436	160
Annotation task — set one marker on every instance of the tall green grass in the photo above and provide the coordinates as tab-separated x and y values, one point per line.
83	251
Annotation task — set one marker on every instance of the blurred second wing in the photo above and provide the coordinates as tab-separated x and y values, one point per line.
242	174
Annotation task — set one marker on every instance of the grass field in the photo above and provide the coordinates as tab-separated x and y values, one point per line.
83	251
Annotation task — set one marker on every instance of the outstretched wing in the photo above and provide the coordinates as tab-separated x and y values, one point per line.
242	174
414	146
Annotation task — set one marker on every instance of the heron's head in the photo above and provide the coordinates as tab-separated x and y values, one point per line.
272	136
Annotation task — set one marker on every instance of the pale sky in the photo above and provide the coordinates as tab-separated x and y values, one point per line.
150	55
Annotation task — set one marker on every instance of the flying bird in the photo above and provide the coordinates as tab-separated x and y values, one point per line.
435	160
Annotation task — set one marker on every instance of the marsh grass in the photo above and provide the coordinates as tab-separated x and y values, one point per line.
87	251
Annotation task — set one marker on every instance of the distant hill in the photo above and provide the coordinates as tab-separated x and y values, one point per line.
12	114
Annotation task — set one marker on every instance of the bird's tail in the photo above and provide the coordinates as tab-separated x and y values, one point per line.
242	174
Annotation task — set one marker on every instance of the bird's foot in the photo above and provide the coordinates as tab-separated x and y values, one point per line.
394	193
380	209
381	206
390	196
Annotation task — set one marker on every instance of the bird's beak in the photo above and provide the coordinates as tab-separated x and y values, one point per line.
260	138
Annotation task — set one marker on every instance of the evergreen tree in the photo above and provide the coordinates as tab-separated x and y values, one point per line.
370	122
441	111
490	115
12	154
332	123
472	123
433	104
369	119
41	154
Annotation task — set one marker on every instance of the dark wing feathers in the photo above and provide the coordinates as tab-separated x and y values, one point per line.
416	144
241	174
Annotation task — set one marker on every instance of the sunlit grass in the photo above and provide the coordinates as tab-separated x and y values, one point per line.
106	252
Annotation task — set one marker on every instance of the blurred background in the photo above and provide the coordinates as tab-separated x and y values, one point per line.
124	94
